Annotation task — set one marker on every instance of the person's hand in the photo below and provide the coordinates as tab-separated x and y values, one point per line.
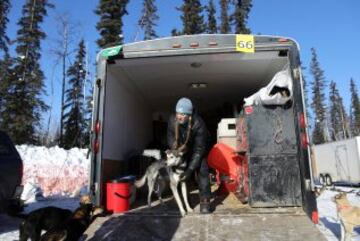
185	175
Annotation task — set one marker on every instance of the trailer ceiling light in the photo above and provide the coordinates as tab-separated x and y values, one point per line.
196	64
194	45
198	85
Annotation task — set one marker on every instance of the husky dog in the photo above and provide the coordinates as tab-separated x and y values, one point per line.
168	170
348	214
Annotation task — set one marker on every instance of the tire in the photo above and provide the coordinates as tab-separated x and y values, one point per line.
328	180
322	179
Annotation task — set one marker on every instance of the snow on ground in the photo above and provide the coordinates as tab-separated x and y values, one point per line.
56	177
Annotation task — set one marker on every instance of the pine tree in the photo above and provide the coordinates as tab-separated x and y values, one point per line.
175	32
306	94
110	24
6	73
148	19
88	116
22	112
240	16
355	110
75	125
4	11
5	60
338	118
192	18
225	21
211	23
320	131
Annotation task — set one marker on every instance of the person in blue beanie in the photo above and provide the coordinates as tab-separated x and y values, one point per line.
187	132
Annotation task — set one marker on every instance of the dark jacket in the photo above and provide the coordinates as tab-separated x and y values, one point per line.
196	146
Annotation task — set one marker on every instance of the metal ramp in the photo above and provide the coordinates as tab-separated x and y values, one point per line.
227	222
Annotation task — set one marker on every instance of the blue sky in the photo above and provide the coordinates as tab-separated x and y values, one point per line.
331	26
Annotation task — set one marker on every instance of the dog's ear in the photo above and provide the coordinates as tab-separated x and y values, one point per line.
167	152
180	153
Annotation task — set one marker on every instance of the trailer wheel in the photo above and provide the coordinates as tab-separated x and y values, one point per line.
328	180
322	179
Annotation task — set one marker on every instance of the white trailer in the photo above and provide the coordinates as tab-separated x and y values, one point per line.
137	87
337	162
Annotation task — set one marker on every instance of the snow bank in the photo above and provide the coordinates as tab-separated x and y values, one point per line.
53	171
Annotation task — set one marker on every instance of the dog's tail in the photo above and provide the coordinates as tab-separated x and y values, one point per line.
141	182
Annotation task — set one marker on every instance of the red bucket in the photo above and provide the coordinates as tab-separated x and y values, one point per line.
118	196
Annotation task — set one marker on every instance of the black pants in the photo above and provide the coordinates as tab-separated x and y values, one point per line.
204	182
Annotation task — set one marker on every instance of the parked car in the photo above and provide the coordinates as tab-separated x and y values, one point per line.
11	172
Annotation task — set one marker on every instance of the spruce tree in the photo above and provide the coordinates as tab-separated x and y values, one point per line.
320	130
88	116
148	19
338	118
225	20
6	74
355	109
4	39
110	24
306	97
175	32
22	112
211	21
75	125
240	16
192	18
5	60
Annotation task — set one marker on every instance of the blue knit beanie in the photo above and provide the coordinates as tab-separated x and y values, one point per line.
184	106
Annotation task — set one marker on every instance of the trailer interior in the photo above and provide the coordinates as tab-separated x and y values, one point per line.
141	93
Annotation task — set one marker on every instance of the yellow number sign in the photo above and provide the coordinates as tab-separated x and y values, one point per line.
245	43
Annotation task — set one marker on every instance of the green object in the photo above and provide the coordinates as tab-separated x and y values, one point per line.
111	51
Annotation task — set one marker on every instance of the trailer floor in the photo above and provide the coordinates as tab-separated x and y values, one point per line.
230	221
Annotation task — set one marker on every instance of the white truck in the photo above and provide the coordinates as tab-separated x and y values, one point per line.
337	162
136	90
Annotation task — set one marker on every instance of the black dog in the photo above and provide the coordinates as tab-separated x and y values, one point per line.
73	228
41	219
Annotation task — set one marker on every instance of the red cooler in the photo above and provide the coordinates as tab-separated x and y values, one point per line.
118	196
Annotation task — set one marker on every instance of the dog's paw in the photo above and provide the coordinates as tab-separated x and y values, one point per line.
183	214
190	210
